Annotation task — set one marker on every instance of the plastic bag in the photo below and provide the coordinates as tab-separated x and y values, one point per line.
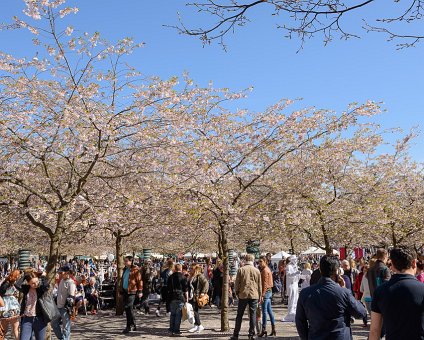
188	313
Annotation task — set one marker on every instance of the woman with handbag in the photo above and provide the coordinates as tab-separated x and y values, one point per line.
31	311
12	308
199	295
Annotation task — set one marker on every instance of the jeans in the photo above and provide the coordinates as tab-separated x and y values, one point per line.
34	324
144	302
64	332
253	304
217	301
176	315
267	308
196	312
129	310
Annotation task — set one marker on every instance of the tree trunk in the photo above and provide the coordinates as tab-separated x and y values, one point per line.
120	269
220	252
225	325
53	258
328	249
292	245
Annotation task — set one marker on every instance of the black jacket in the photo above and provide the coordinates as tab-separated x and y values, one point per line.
177	286
24	289
324	311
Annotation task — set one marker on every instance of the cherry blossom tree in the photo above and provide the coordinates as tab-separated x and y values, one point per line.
231	154
69	117
326	193
396	188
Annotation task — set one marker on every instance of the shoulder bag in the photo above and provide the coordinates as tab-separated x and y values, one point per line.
48	307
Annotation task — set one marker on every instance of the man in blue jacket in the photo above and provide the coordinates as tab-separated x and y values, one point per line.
324	309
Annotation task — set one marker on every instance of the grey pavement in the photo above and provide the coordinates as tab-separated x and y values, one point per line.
107	326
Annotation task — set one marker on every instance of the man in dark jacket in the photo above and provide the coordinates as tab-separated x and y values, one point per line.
177	294
324	309
400	301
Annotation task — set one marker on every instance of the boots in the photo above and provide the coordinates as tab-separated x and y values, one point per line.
273	333
263	333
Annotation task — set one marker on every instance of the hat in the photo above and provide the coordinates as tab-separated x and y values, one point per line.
65	269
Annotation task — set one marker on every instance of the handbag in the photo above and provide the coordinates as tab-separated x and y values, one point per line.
202	300
48	307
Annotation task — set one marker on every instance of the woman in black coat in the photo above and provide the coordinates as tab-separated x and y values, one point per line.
31	313
217	282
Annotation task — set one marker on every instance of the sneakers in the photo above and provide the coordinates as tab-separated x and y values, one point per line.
157	312
200	328
194	329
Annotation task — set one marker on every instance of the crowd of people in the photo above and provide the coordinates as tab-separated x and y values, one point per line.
322	296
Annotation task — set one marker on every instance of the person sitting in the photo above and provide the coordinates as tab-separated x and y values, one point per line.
79	296
92	295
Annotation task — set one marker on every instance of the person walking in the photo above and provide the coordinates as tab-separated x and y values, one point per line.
267	284
32	320
164	276
248	287
400	301
66	292
324	309
200	286
177	294
131	285
365	288
217	282
147	278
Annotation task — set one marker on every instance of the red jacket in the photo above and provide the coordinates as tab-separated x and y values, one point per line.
135	284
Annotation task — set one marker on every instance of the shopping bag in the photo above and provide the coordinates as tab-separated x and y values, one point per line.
190	314
184	318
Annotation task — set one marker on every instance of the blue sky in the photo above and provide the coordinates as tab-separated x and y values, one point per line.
326	77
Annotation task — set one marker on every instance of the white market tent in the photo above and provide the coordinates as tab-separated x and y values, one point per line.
190	255
317	251
279	256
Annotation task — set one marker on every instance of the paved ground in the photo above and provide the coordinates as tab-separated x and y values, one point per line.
107	326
